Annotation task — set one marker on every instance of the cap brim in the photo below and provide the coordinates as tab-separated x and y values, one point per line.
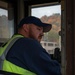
36	21
47	27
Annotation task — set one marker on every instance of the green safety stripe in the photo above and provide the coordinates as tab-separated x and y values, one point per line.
10	67
2	49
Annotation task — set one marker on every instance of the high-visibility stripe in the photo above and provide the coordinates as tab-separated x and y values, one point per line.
10	67
2	49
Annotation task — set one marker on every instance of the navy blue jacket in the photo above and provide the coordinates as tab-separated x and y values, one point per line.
29	54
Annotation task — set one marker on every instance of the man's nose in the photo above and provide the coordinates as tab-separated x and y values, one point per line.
42	34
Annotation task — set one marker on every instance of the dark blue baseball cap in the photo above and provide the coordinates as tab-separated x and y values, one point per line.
36	21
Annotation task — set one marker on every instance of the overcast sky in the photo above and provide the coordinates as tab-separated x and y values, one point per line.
39	11
48	10
3	12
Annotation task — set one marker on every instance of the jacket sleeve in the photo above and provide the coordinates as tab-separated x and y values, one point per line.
30	55
40	61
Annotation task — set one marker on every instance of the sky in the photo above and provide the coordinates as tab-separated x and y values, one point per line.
3	12
48	10
39	11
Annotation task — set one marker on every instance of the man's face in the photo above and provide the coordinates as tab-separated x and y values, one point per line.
35	32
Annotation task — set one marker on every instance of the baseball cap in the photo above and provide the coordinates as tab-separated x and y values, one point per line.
36	21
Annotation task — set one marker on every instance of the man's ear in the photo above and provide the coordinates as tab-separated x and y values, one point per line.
26	27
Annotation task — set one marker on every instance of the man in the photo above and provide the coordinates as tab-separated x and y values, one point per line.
27	56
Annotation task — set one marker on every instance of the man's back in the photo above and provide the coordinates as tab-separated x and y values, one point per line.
29	54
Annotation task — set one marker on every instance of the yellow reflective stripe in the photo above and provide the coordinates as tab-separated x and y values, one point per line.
2	49
8	66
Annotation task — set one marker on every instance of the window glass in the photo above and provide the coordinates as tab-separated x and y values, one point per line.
4	31
51	15
6	24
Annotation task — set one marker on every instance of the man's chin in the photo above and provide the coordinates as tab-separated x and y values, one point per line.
39	40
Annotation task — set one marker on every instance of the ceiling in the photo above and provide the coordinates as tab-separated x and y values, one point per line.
40	1
36	1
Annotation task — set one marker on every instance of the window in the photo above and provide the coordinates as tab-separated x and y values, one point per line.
50	44
4	31
44	44
52	15
6	24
